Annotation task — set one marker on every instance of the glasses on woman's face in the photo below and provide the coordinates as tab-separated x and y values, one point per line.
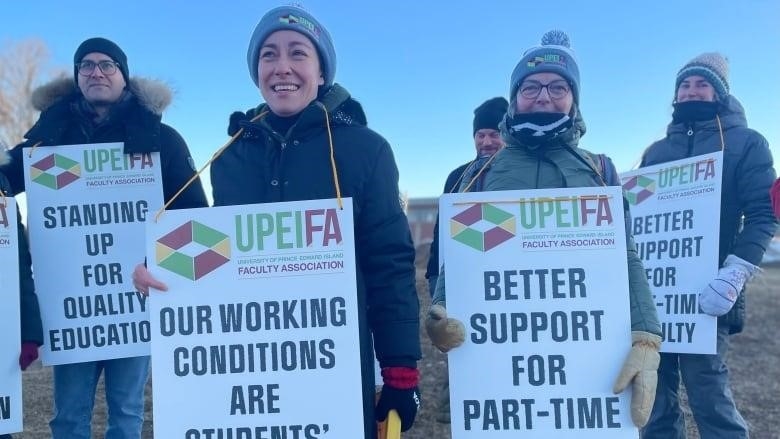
557	89
107	67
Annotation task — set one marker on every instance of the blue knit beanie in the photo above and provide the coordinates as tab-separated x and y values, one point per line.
553	56
712	66
295	19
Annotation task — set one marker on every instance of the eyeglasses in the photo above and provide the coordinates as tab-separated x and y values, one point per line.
107	67
557	89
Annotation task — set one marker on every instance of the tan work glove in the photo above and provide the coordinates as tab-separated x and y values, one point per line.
445	333
641	370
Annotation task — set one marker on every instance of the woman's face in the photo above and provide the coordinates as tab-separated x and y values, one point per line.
544	92
695	88
289	72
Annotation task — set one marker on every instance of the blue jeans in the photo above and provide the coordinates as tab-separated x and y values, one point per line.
74	397
706	379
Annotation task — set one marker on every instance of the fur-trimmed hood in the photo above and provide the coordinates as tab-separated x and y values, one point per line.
136	119
153	95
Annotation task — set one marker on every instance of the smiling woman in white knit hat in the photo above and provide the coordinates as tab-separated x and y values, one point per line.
706	119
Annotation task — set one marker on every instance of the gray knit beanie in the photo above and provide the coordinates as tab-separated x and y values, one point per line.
295	19
554	56
712	66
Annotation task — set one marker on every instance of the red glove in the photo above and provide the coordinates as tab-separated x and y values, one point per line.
28	355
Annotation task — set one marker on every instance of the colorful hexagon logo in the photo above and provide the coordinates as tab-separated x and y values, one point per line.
639	188
193	250
55	171
467	226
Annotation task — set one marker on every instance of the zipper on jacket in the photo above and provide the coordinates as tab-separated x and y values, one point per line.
538	170
691	135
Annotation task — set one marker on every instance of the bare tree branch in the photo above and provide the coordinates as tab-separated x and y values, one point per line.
23	66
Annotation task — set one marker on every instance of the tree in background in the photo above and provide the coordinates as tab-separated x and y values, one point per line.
23	66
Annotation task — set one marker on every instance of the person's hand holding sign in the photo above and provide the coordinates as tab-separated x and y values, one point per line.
143	280
641	371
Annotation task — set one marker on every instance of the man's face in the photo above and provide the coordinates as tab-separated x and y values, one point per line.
488	141
695	88
98	88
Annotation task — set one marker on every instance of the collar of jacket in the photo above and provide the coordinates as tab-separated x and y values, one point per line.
731	113
341	108
140	115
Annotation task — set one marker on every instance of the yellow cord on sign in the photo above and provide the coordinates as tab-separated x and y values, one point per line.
332	158
208	163
32	148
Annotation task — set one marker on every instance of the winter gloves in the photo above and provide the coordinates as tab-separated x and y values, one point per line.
640	370
28	355
445	333
399	393
717	298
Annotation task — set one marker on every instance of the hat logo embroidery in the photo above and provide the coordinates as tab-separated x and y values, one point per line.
302	21
550	58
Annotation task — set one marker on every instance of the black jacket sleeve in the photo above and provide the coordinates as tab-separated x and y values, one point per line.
755	176
178	168
433	260
387	263
32	330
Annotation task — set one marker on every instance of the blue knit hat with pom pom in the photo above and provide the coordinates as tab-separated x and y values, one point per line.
554	56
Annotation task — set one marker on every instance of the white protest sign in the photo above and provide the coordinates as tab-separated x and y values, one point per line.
675	220
86	208
258	333
539	279
10	344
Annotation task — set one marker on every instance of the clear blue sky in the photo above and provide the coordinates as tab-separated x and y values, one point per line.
420	68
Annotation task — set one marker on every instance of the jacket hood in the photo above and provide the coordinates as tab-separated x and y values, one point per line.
153	95
342	110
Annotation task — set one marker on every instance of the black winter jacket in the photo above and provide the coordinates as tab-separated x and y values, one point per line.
263	166
747	176
135	120
450	186
30	313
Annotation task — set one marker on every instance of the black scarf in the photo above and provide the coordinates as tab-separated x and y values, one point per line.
694	111
536	129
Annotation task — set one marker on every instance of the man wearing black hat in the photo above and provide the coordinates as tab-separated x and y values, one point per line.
468	178
101	105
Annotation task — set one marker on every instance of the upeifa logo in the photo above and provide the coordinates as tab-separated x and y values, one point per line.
55	171
302	21
176	251
639	188
464	227
548	58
